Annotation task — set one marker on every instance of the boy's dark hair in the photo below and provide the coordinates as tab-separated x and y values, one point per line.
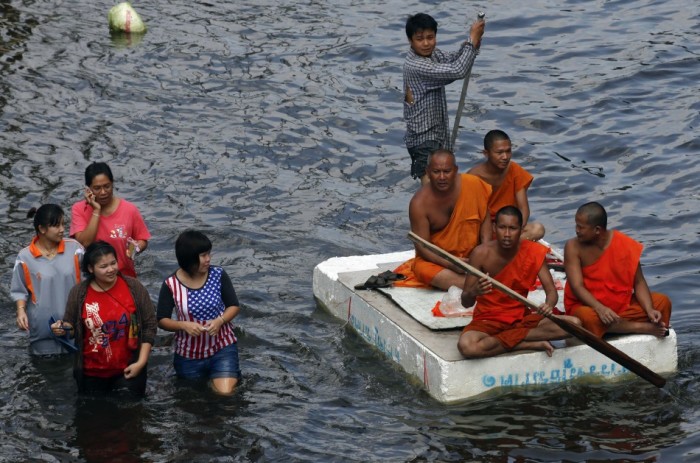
420	21
493	136
188	246
95	169
512	211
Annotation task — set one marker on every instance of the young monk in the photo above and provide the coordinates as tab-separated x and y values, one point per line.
426	72
501	323
605	285
508	180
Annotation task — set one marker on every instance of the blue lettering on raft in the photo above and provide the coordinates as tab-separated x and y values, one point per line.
371	334
556	375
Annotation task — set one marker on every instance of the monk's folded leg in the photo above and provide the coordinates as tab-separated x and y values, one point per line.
521	337
662	303
480	339
636	320
436	275
533	231
547	330
590	320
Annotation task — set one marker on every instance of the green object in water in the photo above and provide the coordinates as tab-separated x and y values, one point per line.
123	18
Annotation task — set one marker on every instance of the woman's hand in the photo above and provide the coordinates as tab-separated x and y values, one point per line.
90	199
133	370
193	328
22	319
60	328
214	326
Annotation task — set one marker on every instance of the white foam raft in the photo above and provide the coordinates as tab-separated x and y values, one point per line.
431	356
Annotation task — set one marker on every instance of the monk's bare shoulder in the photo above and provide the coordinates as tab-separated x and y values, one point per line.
477	170
572	250
479	253
572	243
420	203
420	197
482	253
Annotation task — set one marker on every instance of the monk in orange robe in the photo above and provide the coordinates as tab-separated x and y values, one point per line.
605	286
500	323
508	180
450	212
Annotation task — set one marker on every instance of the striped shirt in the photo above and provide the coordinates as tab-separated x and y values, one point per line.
199	305
426	117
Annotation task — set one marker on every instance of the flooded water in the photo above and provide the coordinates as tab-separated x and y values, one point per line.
276	128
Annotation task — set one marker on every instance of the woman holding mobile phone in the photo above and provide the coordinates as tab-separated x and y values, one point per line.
104	216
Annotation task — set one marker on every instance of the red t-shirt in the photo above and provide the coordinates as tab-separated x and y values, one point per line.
107	318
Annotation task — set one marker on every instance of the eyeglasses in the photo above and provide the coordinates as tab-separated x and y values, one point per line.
106	188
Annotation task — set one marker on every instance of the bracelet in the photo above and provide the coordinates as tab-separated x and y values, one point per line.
23	307
222	319
95	214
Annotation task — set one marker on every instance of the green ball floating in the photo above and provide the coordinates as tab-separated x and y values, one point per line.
124	18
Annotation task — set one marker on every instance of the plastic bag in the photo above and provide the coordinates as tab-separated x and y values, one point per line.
124	18
451	304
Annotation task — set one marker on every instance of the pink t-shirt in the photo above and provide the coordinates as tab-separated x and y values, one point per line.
125	222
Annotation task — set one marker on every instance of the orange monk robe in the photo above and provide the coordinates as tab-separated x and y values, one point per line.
498	314
610	280
516	179
459	236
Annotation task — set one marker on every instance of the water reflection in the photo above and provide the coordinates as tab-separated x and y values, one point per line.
276	128
114	429
125	39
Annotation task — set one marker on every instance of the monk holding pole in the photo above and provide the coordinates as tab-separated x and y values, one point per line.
500	323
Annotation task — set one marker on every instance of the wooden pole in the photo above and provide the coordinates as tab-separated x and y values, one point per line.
463	96
579	332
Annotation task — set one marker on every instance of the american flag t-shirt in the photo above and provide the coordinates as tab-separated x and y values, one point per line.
200	306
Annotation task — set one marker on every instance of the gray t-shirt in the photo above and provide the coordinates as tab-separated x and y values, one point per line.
44	284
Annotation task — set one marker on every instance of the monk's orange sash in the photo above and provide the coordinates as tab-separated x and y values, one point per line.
519	274
516	179
460	235
610	279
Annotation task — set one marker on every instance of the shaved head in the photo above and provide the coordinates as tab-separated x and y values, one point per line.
512	211
595	214
492	137
441	153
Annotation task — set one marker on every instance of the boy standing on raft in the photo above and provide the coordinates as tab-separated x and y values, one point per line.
426	72
605	285
500	323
